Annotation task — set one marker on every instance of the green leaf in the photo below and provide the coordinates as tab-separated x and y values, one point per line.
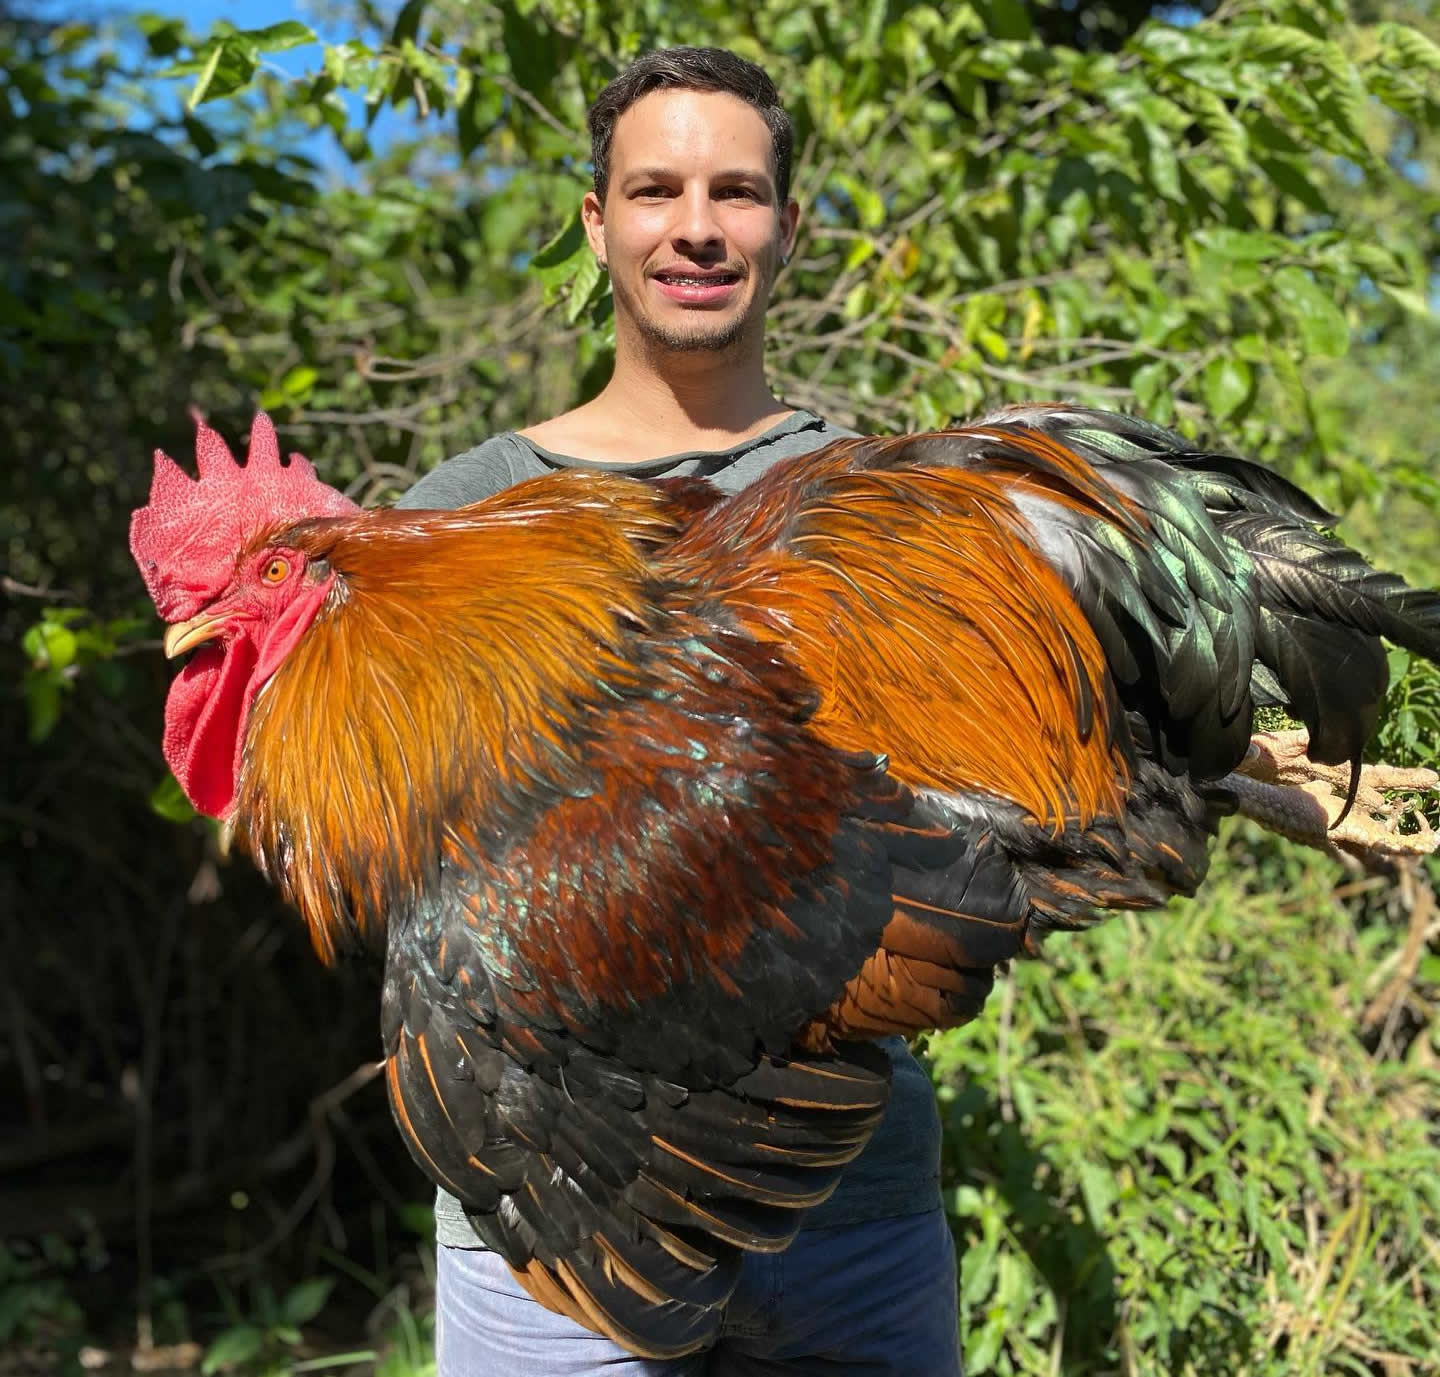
1004	19
407	22
1288	178
164	36
480	111
306	1300
233	1347
50	645
559	259
1097	1184
983	1348
1411	300
1276	43
207	75
1161	163
278	38
869	207
1251	348
229	68
1408	48
1222	126
1383	264
1227	382
860	250
588	276
206	144
536	51
1171	45
1149	381
299	380
994	343
42	702
168	800
1242	246
1324	330
1408	725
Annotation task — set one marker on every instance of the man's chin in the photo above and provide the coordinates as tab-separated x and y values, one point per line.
699	336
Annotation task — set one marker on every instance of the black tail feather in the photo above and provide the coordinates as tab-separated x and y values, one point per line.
1319	609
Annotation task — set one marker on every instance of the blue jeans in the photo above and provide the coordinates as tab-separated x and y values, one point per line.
863	1300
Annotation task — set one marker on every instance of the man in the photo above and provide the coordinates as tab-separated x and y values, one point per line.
691	215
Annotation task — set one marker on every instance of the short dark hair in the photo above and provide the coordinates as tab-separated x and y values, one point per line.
691	69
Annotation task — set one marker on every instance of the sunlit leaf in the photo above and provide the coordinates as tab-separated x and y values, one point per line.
233	1347
50	645
1323	327
169	801
1227	385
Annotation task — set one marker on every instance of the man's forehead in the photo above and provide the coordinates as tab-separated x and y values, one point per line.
683	128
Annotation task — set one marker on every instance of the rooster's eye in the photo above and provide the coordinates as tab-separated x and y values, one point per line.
277	571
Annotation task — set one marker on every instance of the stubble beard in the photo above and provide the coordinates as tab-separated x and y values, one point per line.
697	339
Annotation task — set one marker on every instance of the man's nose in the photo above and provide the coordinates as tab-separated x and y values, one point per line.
696	231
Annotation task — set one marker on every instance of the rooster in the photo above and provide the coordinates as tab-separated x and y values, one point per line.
665	805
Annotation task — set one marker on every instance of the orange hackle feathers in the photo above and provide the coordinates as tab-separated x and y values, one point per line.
421	669
916	606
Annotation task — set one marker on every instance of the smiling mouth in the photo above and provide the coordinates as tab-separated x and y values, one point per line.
679	279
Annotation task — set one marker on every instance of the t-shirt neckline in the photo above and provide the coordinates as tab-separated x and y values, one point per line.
797	420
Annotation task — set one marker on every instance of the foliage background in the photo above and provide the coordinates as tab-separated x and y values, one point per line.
1206	1142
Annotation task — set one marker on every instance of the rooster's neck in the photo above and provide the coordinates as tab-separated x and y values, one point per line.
452	673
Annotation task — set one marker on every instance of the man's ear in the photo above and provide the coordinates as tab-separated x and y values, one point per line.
592	216
789	226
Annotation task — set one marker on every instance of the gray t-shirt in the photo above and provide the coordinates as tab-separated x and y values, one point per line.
899	1171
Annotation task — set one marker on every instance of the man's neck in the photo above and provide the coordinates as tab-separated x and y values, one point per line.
691	395
653	407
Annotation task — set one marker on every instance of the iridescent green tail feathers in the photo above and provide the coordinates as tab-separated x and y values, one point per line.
1245	598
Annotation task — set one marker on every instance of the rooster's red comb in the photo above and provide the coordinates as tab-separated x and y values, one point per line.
186	540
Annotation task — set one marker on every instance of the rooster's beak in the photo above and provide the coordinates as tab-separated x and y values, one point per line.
183	635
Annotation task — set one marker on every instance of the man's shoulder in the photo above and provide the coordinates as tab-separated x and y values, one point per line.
571	432
476	473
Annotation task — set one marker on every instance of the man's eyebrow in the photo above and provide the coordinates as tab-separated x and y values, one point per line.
745	174
649	174
729	174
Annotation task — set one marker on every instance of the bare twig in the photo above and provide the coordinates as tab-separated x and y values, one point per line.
30	590
1419	898
318	1132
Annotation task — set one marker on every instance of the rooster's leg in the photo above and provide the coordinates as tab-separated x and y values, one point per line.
1285	791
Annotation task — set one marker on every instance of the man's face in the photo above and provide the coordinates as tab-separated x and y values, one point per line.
691	227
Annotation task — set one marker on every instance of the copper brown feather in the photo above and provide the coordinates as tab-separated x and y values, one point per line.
666	805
